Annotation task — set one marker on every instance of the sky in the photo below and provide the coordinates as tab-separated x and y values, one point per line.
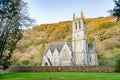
52	11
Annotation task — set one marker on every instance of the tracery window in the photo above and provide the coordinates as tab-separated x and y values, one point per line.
65	56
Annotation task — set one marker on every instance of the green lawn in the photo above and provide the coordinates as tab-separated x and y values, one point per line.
60	76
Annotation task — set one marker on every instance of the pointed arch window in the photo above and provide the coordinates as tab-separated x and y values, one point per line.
65	55
90	59
75	26
79	25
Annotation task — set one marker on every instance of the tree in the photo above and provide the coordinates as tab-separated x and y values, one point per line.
116	10
13	18
117	65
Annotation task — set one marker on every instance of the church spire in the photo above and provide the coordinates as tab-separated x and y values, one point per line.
73	16
82	16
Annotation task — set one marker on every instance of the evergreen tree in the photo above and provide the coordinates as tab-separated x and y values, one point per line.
117	59
116	10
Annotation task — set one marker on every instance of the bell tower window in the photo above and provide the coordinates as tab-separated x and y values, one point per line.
79	26
75	26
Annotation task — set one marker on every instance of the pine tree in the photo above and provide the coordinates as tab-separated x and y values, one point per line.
116	10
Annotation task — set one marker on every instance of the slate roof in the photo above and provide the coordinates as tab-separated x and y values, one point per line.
91	47
59	46
70	45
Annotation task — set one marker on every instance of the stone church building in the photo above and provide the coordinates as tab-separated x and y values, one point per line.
76	53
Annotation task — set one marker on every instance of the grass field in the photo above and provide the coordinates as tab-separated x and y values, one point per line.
60	76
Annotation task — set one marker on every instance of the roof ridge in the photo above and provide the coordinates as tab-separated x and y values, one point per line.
59	46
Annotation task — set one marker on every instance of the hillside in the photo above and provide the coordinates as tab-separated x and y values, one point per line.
104	31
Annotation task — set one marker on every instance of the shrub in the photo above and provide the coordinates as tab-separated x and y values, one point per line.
91	39
26	62
117	58
107	62
105	25
38	42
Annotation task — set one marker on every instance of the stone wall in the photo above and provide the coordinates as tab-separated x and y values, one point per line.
64	69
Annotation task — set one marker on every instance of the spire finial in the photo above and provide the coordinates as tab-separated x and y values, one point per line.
73	16
82	16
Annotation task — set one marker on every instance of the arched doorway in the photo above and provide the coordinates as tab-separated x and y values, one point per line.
46	64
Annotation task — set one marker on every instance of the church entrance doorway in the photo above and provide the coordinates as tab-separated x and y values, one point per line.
46	64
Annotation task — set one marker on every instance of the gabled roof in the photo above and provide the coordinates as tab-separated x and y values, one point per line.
59	47
70	45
